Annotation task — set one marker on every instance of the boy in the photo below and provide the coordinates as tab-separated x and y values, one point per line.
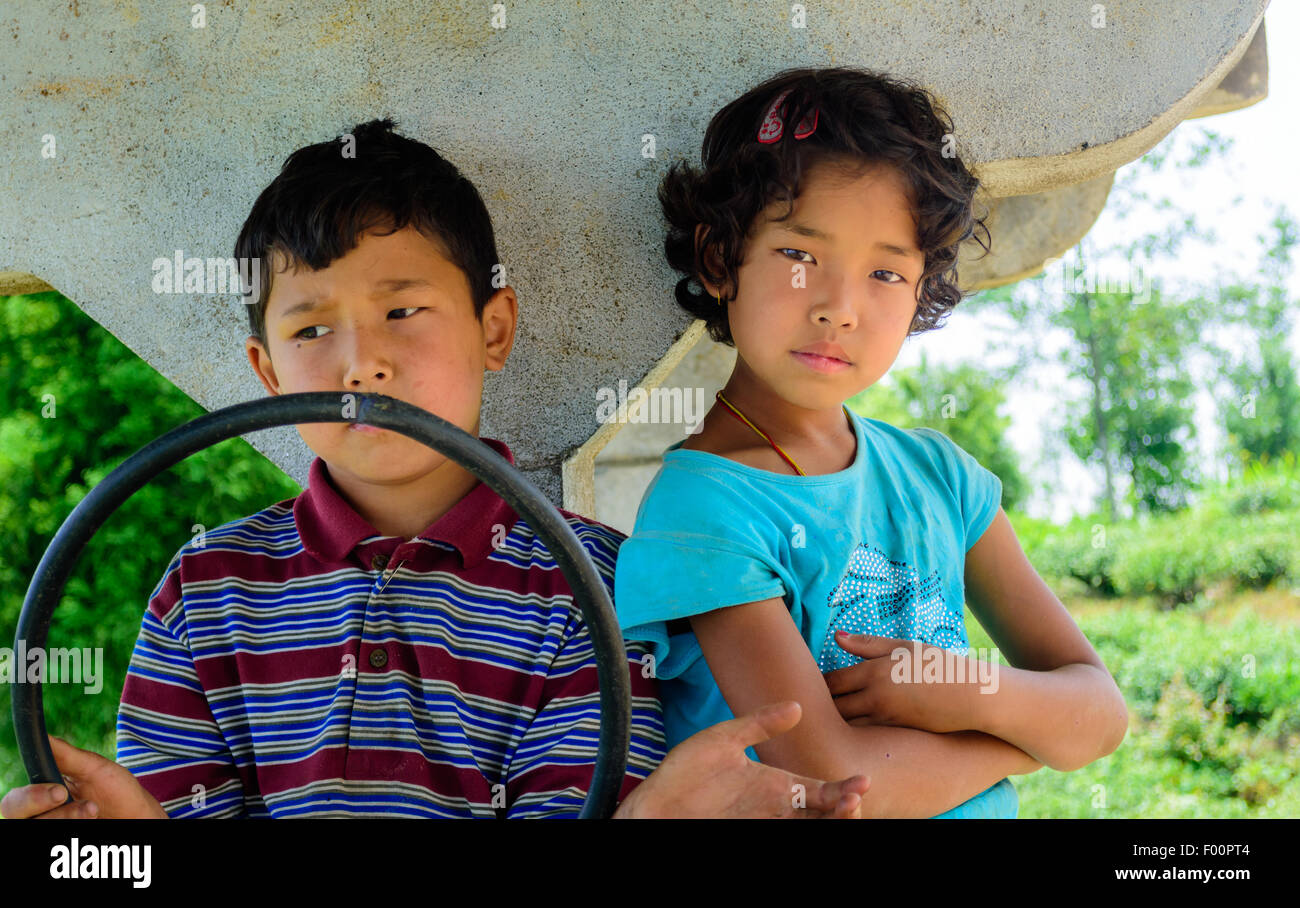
394	641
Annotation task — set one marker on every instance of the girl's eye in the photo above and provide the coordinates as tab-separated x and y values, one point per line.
900	280
810	260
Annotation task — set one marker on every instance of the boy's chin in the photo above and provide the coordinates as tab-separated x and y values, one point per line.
383	456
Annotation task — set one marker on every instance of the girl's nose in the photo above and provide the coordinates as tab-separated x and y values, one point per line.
838	306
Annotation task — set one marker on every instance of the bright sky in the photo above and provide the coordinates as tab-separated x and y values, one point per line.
1237	198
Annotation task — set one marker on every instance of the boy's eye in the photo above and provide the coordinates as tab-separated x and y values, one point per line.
810	260
302	335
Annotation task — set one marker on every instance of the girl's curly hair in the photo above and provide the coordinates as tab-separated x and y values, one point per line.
864	119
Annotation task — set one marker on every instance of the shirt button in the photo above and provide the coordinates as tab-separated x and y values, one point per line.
378	658
379	562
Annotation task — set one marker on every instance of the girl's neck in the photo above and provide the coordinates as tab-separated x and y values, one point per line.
785	422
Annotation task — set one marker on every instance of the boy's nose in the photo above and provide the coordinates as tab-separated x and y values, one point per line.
366	362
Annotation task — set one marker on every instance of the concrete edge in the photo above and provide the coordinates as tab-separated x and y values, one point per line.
578	475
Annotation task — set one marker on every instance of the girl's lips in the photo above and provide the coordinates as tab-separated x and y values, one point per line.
821	363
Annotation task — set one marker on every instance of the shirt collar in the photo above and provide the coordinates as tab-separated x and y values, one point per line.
330	528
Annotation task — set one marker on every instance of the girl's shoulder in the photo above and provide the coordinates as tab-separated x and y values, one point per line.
759	456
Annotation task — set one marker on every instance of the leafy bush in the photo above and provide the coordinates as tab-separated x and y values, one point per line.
1245	534
1215	720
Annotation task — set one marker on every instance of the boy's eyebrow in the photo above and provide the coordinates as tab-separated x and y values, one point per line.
379	288
803	230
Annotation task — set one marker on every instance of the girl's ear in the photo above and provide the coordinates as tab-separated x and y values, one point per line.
710	256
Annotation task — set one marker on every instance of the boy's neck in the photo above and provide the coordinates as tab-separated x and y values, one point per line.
405	509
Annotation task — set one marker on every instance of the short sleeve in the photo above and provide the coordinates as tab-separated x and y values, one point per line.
696	547
978	490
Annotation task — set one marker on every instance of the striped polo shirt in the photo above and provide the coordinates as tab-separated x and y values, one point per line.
296	663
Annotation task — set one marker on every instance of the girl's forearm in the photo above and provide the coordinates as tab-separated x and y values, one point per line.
918	773
1066	718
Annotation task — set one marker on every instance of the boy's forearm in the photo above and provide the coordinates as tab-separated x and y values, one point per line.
1065	718
918	773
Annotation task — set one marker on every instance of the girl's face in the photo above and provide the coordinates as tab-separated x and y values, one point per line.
842	272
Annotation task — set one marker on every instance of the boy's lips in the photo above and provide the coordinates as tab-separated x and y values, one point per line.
364	429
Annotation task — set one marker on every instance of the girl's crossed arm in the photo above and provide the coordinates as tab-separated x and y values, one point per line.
1058	703
757	656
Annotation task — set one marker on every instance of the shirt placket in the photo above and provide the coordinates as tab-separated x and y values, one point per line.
374	653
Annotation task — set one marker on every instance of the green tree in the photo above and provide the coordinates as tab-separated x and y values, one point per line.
1260	408
1137	416
76	403
1128	343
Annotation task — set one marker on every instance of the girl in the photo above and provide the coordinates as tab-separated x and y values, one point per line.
820	233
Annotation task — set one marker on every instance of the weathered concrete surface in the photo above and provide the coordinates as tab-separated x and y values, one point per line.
165	133
1245	85
1027	230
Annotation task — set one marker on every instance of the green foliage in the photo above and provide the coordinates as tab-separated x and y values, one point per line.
1132	352
1214	720
1084	550
104	403
1265	486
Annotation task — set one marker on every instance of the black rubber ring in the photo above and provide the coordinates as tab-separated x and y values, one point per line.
589	590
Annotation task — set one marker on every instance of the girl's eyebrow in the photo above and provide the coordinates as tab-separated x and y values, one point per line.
906	252
794	227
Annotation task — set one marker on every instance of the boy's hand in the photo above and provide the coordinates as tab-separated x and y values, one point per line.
891	686
100	787
709	776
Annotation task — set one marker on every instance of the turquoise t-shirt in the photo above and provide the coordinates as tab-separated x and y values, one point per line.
878	548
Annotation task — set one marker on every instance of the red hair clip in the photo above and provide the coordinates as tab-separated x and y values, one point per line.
773	127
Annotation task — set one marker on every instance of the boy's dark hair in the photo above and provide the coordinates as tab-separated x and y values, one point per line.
321	203
864	118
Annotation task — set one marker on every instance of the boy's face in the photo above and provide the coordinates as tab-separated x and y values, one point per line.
394	317
855	294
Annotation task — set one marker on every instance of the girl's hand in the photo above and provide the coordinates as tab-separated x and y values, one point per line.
906	683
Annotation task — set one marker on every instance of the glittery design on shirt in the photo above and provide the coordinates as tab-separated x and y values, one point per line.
888	598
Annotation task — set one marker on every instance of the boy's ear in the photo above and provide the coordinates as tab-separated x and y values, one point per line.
260	359
500	319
